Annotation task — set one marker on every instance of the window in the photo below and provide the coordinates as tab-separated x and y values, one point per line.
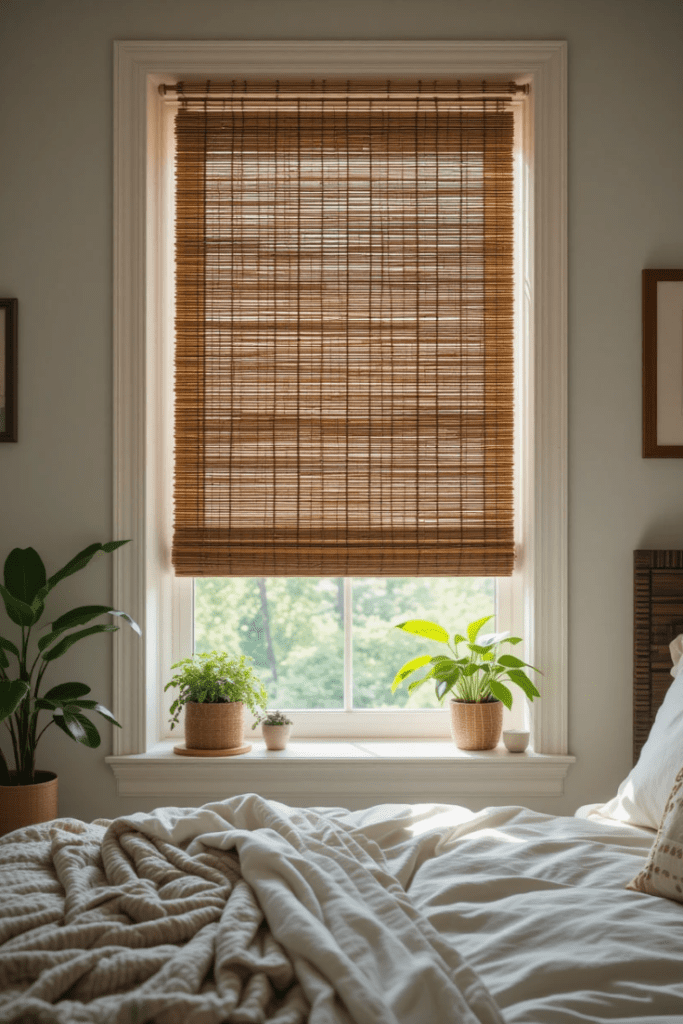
143	372
294	629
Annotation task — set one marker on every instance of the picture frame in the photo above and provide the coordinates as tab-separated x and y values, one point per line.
8	369
662	364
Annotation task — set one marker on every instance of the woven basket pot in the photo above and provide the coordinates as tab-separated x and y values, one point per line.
28	805
214	726
476	726
276	736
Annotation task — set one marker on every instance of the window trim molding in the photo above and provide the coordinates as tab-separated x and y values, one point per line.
141	567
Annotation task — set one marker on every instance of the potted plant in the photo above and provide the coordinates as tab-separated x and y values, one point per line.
474	679
275	728
213	689
28	795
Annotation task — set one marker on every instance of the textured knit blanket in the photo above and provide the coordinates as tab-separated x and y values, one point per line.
242	911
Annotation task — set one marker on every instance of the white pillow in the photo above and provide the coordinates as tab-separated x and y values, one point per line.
643	794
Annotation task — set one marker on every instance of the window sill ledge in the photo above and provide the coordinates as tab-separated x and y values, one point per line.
351	772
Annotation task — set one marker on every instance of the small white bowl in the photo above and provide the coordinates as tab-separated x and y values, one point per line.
516	740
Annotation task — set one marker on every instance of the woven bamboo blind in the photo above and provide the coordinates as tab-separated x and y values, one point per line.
344	319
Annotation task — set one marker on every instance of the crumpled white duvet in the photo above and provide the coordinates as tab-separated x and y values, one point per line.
538	905
243	910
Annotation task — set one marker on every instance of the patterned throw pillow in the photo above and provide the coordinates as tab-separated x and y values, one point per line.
663	871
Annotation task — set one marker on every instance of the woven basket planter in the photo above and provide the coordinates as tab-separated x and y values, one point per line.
214	726
28	805
476	726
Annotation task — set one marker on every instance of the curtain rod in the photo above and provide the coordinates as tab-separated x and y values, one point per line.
468	93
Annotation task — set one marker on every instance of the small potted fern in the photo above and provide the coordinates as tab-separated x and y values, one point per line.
474	679
275	729
213	689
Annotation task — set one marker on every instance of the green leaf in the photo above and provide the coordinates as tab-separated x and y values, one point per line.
37	608
523	681
443	687
501	692
445	669
67	692
48	639
92	705
421	627
479	649
77	563
418	682
78	617
12	692
58	719
458	638
92	735
470	670
19	612
7	645
43	704
407	669
474	627
59	649
510	661
77	726
112	545
4	660
24	574
87	612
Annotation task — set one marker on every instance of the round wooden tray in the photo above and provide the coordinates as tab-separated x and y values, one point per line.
196	752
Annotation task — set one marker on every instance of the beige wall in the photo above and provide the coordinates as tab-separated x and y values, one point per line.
625	213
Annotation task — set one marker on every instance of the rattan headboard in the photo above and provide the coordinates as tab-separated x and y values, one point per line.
658	618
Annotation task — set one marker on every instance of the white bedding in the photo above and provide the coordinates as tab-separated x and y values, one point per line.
538	907
534	904
161	917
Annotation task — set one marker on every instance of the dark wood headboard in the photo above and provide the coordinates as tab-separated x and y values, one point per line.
658	619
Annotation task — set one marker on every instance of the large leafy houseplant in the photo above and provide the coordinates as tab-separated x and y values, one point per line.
23	664
475	676
216	678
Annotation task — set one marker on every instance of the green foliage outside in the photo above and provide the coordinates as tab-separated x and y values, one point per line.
293	629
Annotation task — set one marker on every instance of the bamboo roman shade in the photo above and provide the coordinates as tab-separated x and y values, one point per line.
344	331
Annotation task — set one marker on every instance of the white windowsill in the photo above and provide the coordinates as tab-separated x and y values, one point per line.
344	772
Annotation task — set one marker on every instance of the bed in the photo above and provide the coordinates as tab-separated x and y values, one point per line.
248	910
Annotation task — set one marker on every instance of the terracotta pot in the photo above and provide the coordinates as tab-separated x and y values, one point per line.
476	726
276	736
28	805
214	726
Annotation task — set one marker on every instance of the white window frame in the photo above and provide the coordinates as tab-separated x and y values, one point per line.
511	592
143	582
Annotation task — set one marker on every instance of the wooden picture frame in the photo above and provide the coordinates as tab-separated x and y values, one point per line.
8	369
663	364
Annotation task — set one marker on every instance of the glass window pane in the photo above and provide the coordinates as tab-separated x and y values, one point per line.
379	650
293	628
